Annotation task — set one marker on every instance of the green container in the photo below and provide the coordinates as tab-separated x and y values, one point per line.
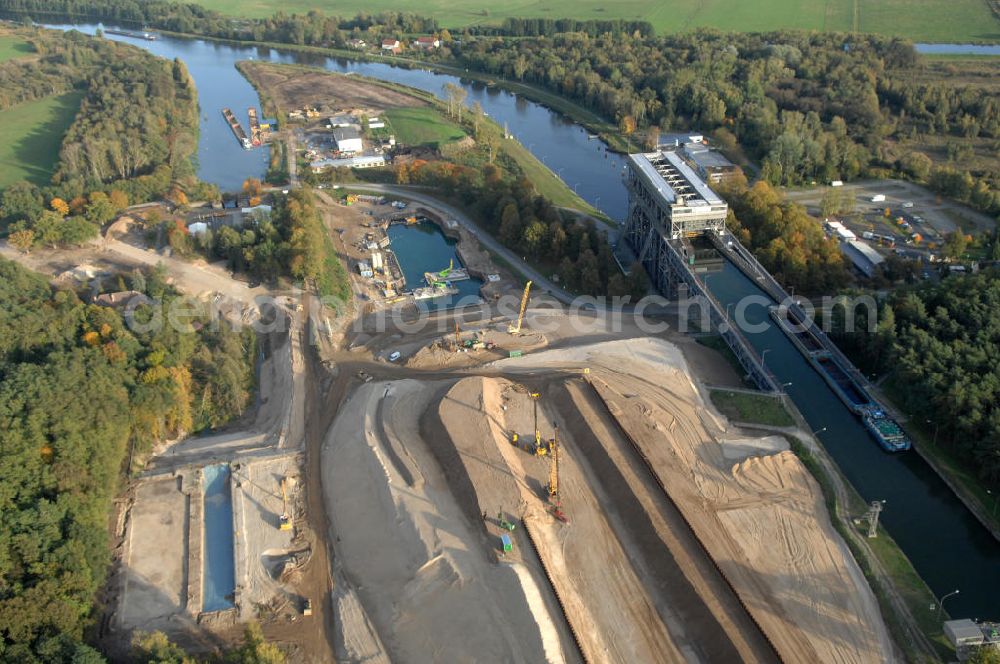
505	540
516	353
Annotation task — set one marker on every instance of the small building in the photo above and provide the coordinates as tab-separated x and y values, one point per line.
967	636
198	228
376	123
427	43
339	121
348	140
839	230
377	262
122	299
361	161
864	258
365	270
357	44
391	45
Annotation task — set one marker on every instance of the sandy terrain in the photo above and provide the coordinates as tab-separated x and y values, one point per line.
294	88
426	582
762	519
155	578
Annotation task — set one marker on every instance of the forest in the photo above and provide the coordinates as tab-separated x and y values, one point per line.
290	242
939	343
131	141
81	394
786	240
806	105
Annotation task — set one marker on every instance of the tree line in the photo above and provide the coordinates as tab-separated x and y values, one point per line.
808	106
131	141
938	343
784	238
538	27
80	393
291	241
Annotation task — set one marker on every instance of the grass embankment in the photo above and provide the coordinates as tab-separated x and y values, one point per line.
751	408
12	46
33	133
920	20
422	126
546	182
890	564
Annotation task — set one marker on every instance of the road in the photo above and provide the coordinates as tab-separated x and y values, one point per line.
516	262
195	279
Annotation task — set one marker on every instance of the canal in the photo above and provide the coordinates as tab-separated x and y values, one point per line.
947	546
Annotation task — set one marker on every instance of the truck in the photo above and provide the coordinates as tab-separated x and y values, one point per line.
868	235
878	198
837	183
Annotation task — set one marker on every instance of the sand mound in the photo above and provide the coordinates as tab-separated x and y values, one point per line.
762	518
424	582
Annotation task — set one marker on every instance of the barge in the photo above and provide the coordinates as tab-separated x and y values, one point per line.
254	126
148	36
432	292
238	132
886	432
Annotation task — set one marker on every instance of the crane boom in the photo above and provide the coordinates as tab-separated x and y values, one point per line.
286	519
516	328
554	468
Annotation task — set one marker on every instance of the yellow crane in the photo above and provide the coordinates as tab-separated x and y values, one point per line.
554	499
554	467
539	449
286	518
516	328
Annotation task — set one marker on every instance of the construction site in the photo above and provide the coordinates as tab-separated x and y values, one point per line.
520	482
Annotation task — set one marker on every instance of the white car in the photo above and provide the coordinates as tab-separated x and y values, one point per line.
394	356
908	204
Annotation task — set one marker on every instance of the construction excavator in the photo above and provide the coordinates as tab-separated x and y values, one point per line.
515	328
286	517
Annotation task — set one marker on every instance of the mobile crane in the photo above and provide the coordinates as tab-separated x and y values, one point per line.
538	449
515	328
286	518
554	478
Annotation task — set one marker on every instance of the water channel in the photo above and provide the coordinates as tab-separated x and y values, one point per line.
947	546
422	247
218	566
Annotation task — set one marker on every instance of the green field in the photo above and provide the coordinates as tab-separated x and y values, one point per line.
422	126
13	47
33	133
754	408
920	20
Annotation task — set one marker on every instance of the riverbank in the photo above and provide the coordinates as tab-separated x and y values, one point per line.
591	121
545	181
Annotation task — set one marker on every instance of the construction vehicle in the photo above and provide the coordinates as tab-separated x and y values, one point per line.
538	449
554	478
286	518
504	523
307	608
516	327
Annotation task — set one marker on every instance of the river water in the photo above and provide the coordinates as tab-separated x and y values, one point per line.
947	546
958	49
